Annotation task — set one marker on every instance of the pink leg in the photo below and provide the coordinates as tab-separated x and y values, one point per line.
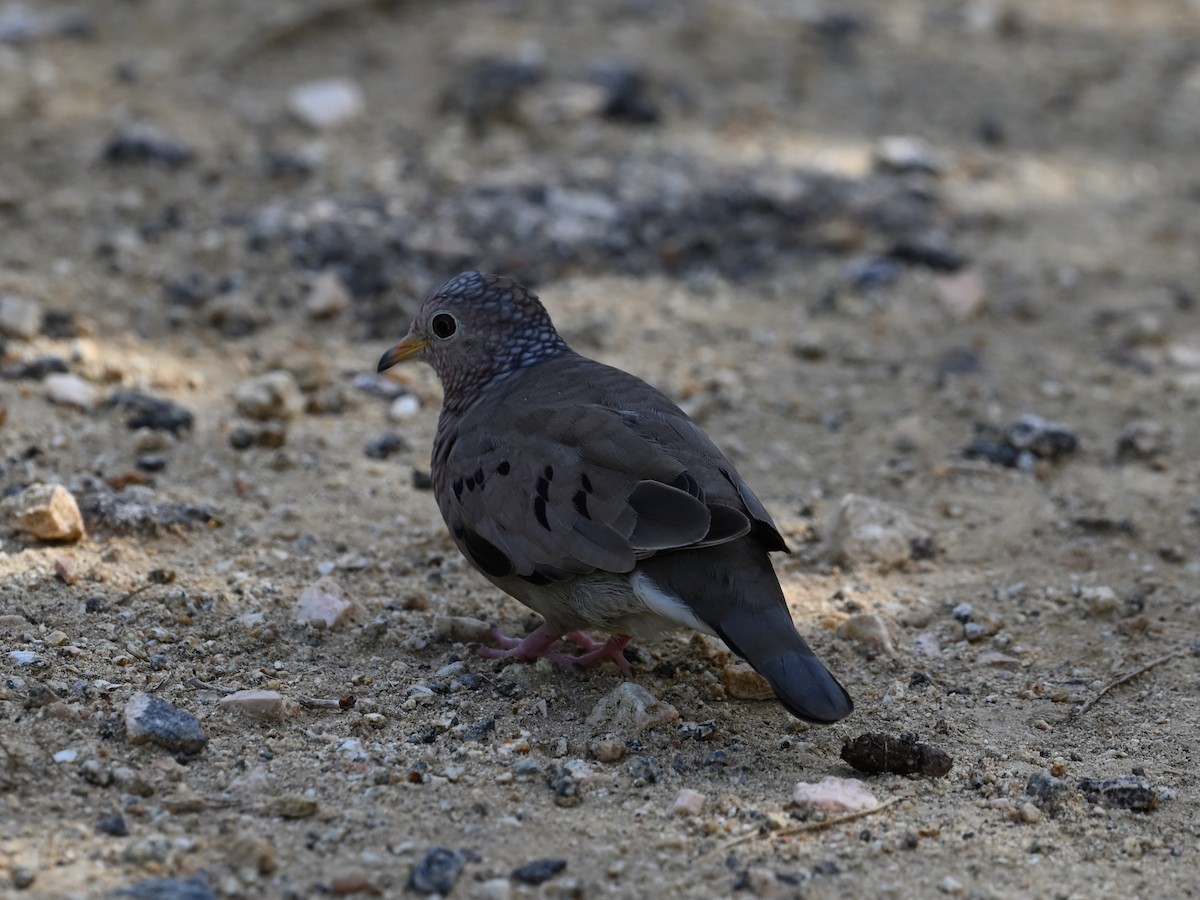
540	641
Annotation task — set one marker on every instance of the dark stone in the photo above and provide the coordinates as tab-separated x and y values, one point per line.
152	462
539	871
193	888
931	255
627	97
644	771
158	722
387	444
1121	792
1044	439
436	872
94	604
1048	792
156	413
35	369
142	143
135	511
113	825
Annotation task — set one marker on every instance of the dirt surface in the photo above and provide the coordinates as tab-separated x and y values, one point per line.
702	194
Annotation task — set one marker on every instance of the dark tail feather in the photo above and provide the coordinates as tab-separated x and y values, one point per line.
767	640
732	587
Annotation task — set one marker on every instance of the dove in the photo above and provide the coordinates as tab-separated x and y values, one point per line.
590	497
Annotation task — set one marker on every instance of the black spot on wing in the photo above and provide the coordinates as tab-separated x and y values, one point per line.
490	558
585	482
503	468
580	501
539	512
537	578
458	488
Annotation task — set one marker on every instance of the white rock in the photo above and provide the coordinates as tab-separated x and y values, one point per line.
66	389
866	531
257	704
20	317
327	297
323	602
1099	601
688	803
463	629
327	103
46	511
631	708
404	407
835	795
272	395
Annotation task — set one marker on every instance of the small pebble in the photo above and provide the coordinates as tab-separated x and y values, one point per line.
153	413
866	531
150	719
258	704
404	407
70	390
539	871
387	444
113	825
327	297
607	749
870	632
743	683
327	103
272	395
46	511
323	601
20	317
66	567
462	629
436	872
631	708
688	803
144	142
834	795
1099	601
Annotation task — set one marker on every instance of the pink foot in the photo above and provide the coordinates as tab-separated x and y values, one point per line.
539	643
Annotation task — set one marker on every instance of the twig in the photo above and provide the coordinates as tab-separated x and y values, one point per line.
207	686
806	827
342	703
1128	676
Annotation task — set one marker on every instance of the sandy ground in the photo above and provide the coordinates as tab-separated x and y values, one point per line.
1057	175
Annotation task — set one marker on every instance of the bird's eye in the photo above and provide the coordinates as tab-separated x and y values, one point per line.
443	325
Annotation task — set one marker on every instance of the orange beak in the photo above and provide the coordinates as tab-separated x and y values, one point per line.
406	349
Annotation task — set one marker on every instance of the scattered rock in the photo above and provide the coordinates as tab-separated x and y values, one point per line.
627	95
875	752
327	103
607	748
462	629
66	567
28	658
271	434
488	90
134	510
113	825
324	603
688	803
327	297
387	444
293	806
34	369
272	395
70	390
150	719
903	154
192	888
1143	441
539	871
870	632
866	531
144	142
962	294
631	708
46	511
156	413
1049	793
1100	600
258	704
833	795
1124	792
436	872
743	683
20	317
1021	443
